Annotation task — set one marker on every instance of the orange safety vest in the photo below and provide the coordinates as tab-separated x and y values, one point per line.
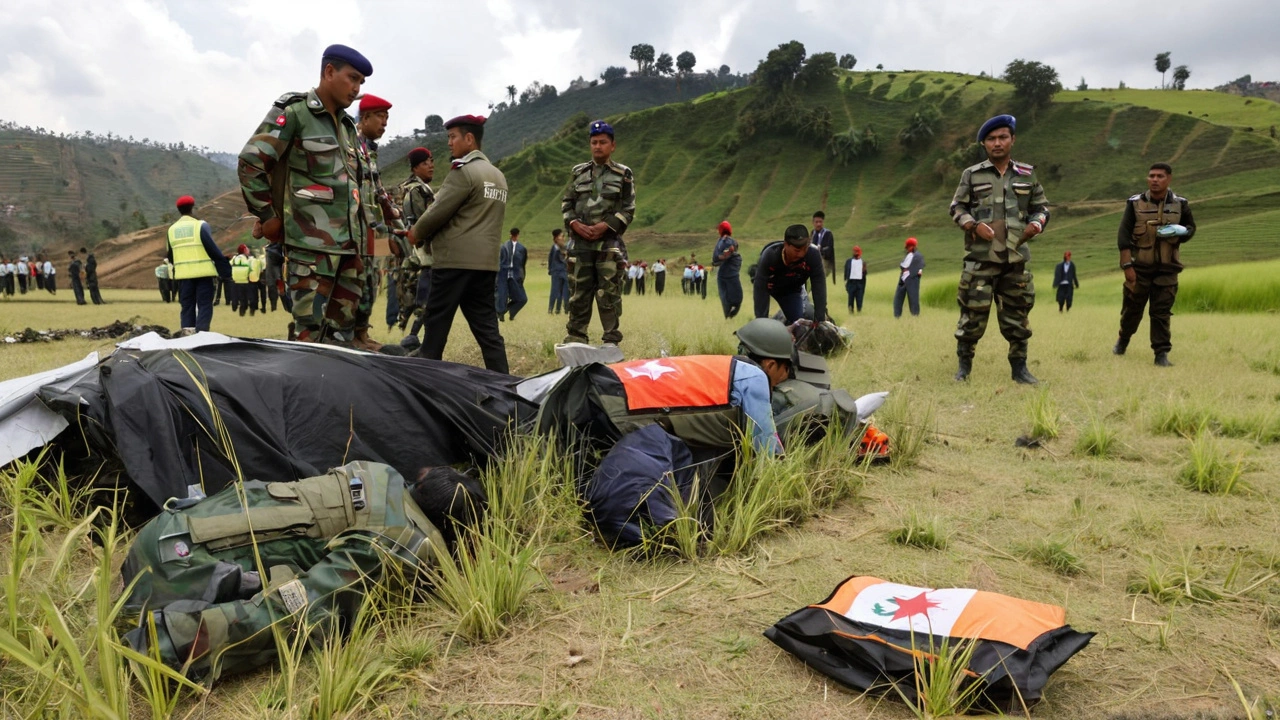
676	382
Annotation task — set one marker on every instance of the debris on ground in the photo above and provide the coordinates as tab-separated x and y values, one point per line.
119	329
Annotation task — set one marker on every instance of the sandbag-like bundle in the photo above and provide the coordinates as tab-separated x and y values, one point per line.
873	635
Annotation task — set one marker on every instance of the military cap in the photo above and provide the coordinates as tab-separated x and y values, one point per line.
465	120
349	56
418	155
911	243
600	127
797	236
766	338
373	103
726	228
999	121
185	201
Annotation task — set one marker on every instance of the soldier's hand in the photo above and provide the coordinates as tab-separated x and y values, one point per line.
273	230
1033	229
984	231
257	230
1130	276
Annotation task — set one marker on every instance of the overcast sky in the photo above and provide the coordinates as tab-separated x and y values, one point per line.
206	72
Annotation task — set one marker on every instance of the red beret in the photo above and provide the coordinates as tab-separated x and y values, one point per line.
373	103
243	249
726	228
185	200
911	242
465	120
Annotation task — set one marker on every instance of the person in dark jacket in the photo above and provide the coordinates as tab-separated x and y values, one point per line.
855	279
782	272
1064	278
911	268
77	286
513	256
91	278
825	242
728	278
559	272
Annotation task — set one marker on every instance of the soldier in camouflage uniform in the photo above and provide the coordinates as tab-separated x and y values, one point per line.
298	177
371	126
415	273
1001	206
597	207
323	542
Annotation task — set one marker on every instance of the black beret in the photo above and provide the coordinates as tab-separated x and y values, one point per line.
351	57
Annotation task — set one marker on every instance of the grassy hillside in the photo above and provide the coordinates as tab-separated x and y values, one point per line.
508	131
56	191
691	171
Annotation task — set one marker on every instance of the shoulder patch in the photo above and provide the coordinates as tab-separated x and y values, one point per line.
290	98
1022	168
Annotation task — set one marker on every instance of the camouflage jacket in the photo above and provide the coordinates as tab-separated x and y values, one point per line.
599	193
1008	203
369	180
300	158
416	197
318	539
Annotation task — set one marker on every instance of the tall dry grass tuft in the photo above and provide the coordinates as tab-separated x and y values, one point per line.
1209	468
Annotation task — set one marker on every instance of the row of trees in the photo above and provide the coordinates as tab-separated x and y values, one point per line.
107	140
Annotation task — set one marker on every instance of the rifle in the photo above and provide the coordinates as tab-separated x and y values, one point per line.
397	234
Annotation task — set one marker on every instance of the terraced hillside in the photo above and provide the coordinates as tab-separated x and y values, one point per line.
64	191
693	169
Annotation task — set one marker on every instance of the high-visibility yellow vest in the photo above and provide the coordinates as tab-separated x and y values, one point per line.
240	267
256	266
189	257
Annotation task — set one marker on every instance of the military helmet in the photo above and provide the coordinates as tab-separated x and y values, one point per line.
766	338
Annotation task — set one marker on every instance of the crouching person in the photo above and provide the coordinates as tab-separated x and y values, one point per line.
324	543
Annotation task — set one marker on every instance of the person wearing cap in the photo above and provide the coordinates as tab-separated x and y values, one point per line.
909	272
825	242
855	279
298	177
728	260
380	215
1001	206
242	275
512	259
598	207
1153	228
196	262
784	268
1064	279
463	231
73	269
414	282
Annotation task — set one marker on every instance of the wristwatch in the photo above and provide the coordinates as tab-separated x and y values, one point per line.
1126	266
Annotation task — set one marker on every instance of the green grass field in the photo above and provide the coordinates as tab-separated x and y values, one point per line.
1100	520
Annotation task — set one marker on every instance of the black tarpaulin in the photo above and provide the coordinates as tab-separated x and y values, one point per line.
181	417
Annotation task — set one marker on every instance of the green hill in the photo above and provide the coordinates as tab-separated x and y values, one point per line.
61	191
694	167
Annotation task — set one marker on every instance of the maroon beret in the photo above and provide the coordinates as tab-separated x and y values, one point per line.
185	200
418	155
465	120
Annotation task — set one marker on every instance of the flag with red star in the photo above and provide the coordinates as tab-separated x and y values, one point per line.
874	635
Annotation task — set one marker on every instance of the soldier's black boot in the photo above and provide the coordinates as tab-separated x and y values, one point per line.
1122	344
1020	372
1162	359
966	367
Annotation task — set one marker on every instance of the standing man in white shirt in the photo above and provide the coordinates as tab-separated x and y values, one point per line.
912	267
855	279
50	274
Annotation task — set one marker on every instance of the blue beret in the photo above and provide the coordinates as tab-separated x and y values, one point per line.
998	121
351	57
600	127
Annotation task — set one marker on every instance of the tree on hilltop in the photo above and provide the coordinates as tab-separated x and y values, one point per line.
642	53
612	73
847	61
433	124
1033	82
818	70
724	71
1180	76
1083	85
1162	64
780	67
685	62
511	93
664	65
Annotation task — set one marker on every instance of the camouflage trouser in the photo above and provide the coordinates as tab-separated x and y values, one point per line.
1014	294
407	289
1161	290
326	289
596	275
368	293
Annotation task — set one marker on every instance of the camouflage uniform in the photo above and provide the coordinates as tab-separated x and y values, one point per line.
374	220
303	157
597	193
417	197
320	541
997	269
